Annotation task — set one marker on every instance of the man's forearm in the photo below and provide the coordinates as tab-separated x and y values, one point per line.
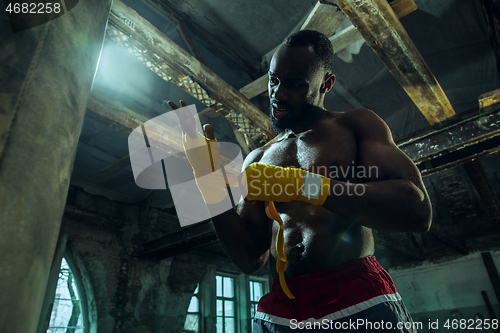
395	205
246	245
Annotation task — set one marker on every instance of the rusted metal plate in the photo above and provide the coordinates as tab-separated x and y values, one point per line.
458	136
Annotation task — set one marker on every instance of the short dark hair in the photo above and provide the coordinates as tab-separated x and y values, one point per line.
318	41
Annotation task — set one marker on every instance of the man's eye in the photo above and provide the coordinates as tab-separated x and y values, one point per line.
274	81
293	85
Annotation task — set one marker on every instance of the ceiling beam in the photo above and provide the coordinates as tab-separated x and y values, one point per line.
384	33
325	18
173	15
339	42
472	138
166	52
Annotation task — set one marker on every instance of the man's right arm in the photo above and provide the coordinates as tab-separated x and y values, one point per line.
246	233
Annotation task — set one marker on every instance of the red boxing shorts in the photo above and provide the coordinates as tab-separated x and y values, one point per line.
359	296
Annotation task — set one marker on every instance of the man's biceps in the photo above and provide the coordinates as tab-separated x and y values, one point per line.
389	166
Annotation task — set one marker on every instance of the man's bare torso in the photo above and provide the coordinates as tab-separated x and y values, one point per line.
316	238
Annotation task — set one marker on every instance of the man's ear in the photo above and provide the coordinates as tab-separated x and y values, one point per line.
327	83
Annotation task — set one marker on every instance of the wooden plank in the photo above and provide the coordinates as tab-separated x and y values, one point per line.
339	42
191	44
128	21
172	14
256	87
119	117
325	18
489	98
384	33
403	7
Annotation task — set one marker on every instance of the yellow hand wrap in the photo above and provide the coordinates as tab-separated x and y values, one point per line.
281	261
203	155
273	183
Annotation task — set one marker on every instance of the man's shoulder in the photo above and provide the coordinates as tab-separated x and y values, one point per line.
363	121
357	115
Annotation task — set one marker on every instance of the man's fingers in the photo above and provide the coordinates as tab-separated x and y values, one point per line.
173	105
185	118
188	123
209	131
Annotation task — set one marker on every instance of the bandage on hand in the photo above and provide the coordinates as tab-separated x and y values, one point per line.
203	155
273	183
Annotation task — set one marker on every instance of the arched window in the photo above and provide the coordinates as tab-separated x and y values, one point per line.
67	312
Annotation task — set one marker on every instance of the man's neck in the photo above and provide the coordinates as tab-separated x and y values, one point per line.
316	118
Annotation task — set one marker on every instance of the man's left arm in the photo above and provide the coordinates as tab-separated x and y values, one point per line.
392	196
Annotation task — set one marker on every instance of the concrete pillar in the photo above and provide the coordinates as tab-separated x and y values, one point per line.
46	73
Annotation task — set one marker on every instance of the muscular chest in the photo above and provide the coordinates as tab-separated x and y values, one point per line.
314	151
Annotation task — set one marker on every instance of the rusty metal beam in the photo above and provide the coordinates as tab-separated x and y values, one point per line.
339	42
475	137
384	33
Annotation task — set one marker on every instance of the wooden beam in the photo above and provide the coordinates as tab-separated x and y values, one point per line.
191	44
403	7
339	42
325	18
122	118
129	22
489	98
384	33
172	14
256	87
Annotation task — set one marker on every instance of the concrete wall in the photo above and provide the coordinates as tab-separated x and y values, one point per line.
129	294
447	290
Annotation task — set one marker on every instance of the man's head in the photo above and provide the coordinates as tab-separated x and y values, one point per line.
300	74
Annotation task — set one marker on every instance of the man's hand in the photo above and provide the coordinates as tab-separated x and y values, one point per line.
203	155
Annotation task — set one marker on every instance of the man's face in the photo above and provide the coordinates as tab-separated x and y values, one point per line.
295	78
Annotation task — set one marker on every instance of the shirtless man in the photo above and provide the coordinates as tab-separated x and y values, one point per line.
336	282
